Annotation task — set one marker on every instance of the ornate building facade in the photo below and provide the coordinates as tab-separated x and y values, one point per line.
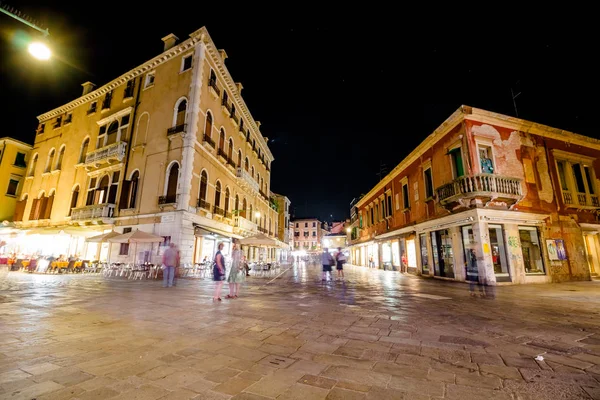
510	200
170	147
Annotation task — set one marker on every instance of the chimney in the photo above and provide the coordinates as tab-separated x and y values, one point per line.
257	124
170	40
239	86
87	87
223	54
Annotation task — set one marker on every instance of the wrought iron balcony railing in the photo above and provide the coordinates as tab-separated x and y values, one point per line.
203	204
168	199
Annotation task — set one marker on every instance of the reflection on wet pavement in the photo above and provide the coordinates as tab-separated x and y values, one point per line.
374	335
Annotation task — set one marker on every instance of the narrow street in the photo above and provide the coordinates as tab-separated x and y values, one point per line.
377	335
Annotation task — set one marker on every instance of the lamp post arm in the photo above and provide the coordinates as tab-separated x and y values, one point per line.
22	18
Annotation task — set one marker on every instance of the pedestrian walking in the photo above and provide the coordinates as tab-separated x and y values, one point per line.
327	261
170	262
237	275
473	274
340	260
218	272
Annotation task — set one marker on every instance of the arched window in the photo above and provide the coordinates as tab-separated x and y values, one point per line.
50	161
236	204
74	198
172	177
230	149
244	208
218	194
222	140
270	231
111	134
135	179
84	150
208	125
180	112
239	160
61	155
262	184
33	165
246	164
226	207
258	178
250	215
252	172
203	185
102	190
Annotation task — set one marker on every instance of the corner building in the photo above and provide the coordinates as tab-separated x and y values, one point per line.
515	199
169	148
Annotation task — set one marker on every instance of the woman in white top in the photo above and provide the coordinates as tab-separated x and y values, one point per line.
237	275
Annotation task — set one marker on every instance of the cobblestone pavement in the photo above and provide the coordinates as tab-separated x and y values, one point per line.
378	335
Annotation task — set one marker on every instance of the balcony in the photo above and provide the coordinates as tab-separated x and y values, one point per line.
231	164
91	110
205	205
262	230
218	211
166	200
100	212
113	153
181	128
221	154
235	119
245	225
581	201
263	194
225	107
208	141
480	190
245	180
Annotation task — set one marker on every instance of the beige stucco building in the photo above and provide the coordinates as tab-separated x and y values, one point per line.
168	147
14	155
308	234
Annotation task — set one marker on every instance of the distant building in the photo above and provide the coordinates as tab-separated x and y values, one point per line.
283	216
308	234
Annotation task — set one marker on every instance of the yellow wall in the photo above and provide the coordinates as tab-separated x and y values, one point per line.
8	170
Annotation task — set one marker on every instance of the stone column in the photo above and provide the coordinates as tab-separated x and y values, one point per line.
459	256
430	253
483	252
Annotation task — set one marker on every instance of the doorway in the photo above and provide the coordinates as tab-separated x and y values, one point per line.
591	244
443	255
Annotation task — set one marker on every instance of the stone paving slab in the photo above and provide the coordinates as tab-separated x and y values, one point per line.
377	335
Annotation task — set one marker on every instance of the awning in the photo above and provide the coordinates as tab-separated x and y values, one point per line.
210	231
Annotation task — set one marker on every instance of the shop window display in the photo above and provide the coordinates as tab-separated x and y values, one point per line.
532	250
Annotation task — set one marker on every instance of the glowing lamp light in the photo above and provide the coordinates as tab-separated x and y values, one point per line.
257	214
348	230
39	51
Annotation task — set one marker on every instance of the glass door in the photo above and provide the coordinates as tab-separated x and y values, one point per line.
499	253
443	254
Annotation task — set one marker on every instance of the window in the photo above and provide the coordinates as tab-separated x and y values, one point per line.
49	161
186	63
222	141
428	184
20	160
457	163
239	160
236	204
212	80
226	206
124	249
486	160
171	187
41	128
297	225
149	80
389	204
135	178
208	125
377	213
306	224
218	194
93	106
61	155
69	118
101	195
107	100
577	179
74	198
13	185
203	185
84	150
532	250
101	137
180	112
372	216
112	133
90	192
114	187
314	224
405	196
383	211
230	149
424	253
57	123
128	93
252	171
246	164
314	233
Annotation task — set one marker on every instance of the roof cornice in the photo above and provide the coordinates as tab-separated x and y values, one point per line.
492	118
17	142
134	73
233	92
446	126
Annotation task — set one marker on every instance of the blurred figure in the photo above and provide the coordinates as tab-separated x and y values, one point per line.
218	272
237	275
170	261
340	260
473	274
327	261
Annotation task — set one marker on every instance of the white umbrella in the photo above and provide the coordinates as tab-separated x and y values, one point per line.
136	237
258	240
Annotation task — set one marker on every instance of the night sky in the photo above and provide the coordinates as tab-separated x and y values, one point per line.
339	94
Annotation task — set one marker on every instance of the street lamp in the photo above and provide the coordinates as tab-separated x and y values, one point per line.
37	49
348	230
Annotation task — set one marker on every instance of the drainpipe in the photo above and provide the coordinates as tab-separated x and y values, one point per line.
132	131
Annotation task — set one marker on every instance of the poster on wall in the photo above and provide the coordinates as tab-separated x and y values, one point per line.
556	249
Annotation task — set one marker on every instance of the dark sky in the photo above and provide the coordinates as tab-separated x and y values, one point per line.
337	93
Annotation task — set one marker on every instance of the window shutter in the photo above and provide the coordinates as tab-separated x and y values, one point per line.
19	210
41	211
124	198
48	210
33	211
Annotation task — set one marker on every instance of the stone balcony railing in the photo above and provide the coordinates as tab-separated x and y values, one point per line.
486	187
244	224
95	211
246	180
580	200
106	154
